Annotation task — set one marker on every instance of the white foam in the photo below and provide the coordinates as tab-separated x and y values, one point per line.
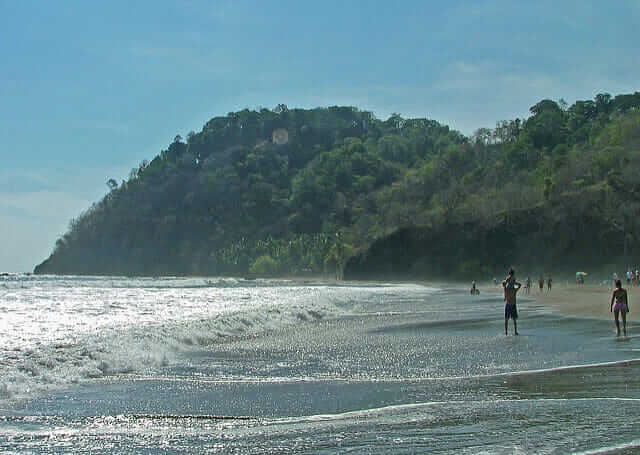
411	407
611	449
57	331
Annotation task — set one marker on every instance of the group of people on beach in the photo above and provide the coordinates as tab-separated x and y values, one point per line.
527	284
633	277
541	283
619	304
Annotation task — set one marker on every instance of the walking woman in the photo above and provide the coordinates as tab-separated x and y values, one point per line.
621	307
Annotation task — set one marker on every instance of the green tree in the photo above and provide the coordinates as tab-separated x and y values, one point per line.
264	266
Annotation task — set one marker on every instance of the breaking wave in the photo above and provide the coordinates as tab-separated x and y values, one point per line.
101	327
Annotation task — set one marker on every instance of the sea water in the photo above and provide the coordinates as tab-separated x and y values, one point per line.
106	365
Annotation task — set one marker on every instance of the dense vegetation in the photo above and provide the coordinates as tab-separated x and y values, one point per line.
333	190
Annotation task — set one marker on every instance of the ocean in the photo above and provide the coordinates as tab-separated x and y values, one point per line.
112	365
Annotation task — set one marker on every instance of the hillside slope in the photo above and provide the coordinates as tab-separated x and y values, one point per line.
310	191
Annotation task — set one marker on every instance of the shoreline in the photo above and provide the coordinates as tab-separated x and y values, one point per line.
566	298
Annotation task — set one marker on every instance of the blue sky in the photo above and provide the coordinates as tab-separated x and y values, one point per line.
90	89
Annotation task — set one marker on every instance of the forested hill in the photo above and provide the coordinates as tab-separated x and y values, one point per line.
333	190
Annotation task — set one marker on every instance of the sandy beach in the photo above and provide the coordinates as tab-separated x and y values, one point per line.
586	300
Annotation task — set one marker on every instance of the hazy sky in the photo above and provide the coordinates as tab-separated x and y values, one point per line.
89	89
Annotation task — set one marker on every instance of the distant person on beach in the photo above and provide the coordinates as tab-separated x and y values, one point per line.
541	283
511	287
621	307
549	283
474	289
527	285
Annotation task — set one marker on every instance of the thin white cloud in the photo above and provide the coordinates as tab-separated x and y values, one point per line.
179	63
120	129
63	179
15	181
43	204
469	68
30	223
25	244
37	207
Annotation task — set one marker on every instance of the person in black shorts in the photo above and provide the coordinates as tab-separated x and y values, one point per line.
511	287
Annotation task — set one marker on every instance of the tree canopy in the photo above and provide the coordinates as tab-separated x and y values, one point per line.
293	191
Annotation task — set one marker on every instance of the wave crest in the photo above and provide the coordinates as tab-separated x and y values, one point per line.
107	352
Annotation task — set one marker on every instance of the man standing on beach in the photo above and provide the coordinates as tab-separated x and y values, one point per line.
511	287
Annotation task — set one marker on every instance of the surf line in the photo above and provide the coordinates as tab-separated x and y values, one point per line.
620	363
185	417
412	379
611	449
411	407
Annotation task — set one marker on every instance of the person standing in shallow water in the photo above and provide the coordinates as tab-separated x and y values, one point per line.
621	307
511	288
